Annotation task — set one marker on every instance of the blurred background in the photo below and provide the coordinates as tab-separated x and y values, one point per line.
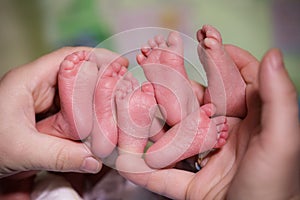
32	28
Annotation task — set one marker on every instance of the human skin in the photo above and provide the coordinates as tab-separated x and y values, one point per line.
104	135
78	83
208	133
26	91
135	112
196	133
76	75
226	88
86	83
163	64
136	106
248	166
24	97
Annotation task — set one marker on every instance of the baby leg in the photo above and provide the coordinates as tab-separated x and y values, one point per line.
226	87
135	111
163	65
105	132
195	134
76	82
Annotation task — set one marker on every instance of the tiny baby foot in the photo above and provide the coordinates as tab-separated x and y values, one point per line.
135	110
194	134
76	81
104	134
163	65
222	136
222	128
226	87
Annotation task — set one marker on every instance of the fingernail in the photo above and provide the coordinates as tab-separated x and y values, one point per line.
90	165
276	59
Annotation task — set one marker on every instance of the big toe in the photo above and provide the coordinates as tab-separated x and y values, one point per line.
175	42
208	31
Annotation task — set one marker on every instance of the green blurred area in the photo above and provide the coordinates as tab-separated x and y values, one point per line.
32	28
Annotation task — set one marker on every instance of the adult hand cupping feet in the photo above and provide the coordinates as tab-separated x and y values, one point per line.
29	94
247	167
274	132
86	97
77	78
81	95
252	147
26	91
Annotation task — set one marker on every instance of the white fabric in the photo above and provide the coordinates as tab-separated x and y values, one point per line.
53	187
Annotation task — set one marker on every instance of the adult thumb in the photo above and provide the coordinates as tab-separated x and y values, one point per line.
280	106
56	154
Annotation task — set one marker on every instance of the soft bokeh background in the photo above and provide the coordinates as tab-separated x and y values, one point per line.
32	28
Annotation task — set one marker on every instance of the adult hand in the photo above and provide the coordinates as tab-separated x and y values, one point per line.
26	91
270	168
261	157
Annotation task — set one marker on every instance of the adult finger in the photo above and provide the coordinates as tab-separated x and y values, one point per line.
280	105
172	183
40	76
248	66
247	63
277	144
44	152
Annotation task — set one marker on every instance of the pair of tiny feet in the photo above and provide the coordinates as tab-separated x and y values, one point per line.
124	113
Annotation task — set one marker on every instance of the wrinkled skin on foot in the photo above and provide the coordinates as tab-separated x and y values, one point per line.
163	64
135	111
76	81
105	132
194	134
226	88
77	77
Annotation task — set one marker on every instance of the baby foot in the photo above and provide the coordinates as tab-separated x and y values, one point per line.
195	134
135	111
76	81
226	87
104	134
203	157
163	65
